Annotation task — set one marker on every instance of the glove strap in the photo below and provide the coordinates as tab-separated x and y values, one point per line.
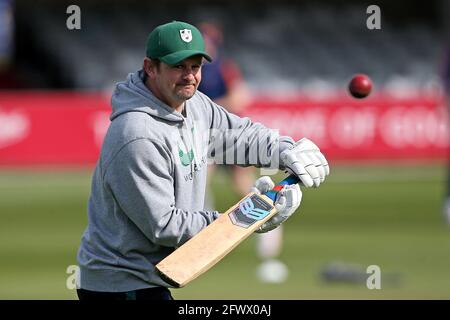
272	194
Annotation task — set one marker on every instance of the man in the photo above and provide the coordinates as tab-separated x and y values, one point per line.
148	186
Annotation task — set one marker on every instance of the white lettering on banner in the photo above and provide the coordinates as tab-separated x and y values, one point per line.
100	123
350	127
307	123
417	127
14	127
441	133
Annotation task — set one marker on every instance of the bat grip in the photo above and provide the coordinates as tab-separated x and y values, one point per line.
272	194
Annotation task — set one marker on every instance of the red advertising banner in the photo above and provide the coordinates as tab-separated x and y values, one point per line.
68	127
51	128
380	127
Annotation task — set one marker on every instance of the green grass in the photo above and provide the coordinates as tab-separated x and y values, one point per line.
365	215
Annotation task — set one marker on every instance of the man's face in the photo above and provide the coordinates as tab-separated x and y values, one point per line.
175	84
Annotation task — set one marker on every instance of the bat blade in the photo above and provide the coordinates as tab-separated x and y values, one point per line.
210	245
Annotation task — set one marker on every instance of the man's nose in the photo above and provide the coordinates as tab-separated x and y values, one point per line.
189	74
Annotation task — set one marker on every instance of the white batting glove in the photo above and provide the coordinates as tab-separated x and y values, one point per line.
287	201
306	161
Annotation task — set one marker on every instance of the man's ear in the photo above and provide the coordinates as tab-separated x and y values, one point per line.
150	68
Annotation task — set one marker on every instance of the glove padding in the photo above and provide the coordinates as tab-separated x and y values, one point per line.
287	201
306	161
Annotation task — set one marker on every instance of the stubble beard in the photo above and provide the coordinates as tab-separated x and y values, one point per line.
182	95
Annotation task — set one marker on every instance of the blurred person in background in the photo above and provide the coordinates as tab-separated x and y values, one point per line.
7	75
222	81
6	33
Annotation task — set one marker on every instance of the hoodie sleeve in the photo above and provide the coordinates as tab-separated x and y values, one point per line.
236	140
140	180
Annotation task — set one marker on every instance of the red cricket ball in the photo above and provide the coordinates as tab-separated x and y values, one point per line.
360	86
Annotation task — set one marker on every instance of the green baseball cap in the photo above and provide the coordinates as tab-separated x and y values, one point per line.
175	41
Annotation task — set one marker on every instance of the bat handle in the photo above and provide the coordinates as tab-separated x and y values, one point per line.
272	194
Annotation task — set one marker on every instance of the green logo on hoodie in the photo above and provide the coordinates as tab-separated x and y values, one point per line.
186	158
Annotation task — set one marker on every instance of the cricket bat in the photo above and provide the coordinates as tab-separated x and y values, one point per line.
210	245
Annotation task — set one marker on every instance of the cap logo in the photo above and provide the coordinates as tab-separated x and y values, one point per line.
186	35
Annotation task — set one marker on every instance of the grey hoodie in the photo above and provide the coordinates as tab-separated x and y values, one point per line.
148	187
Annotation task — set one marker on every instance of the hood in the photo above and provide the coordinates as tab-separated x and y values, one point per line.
132	95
